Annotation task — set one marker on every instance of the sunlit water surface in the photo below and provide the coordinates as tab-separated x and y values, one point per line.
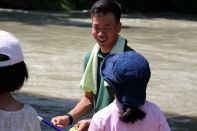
54	46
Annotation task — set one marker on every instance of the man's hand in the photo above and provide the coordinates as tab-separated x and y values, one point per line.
60	121
83	125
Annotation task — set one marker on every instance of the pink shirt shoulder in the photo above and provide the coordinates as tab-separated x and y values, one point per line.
107	119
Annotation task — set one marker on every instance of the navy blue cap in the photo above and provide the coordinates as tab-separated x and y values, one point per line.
128	74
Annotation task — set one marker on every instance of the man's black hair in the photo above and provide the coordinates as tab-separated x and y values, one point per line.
106	6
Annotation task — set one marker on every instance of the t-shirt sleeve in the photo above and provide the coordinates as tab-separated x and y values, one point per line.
96	124
163	123
35	123
158	117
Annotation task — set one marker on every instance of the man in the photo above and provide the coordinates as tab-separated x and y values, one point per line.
106	27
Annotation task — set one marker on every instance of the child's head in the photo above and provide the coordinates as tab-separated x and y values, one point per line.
128	74
13	70
103	7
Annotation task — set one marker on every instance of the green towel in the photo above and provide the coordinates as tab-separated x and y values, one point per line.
89	79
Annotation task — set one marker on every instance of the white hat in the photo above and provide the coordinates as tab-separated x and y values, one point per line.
10	46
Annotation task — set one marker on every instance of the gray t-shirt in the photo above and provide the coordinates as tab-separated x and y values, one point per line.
21	120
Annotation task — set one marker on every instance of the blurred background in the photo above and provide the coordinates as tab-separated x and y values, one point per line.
56	34
181	6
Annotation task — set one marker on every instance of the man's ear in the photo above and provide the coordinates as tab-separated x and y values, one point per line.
119	27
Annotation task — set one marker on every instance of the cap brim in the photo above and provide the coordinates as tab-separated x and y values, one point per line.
107	69
5	63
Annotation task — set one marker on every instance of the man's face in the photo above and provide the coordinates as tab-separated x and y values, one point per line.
105	30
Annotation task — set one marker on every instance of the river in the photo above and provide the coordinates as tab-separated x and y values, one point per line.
54	45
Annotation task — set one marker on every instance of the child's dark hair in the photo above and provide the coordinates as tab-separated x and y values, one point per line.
132	114
106	6
12	77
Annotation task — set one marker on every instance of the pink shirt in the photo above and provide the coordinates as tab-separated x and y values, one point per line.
107	119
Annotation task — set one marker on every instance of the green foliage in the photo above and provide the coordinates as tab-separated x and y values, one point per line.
66	5
186	5
182	6
52	5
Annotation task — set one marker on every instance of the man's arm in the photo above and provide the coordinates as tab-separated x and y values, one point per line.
84	105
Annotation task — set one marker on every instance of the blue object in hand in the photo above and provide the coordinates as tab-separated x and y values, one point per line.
49	123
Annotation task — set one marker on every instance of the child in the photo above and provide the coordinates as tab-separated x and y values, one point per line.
14	115
128	74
